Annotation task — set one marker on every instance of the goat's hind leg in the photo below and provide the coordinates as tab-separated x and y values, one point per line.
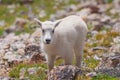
79	53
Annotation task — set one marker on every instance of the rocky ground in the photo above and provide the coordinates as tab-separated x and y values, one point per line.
21	57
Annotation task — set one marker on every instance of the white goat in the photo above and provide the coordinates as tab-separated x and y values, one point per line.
63	38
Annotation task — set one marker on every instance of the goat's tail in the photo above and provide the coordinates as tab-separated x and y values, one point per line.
84	13
84	18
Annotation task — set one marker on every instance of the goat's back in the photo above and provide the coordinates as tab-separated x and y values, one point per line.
71	28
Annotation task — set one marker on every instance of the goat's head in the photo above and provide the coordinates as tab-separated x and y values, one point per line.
47	28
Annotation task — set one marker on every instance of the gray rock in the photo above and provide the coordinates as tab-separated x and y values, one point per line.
37	58
94	17
9	56
110	65
105	19
117	40
67	72
30	49
17	45
91	74
115	48
116	27
99	48
96	57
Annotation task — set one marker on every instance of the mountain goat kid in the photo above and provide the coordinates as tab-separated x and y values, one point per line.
63	38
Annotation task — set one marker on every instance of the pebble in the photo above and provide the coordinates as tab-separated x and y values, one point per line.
22	73
32	70
91	74
116	27
21	51
42	14
2	23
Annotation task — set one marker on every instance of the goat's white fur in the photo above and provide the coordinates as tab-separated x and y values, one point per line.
68	38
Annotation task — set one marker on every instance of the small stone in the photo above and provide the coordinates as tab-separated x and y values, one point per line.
20	22
22	73
99	48
60	13
116	46
84	12
7	55
96	57
2	23
12	58
30	49
2	51
71	8
97	26
37	58
36	35
116	4
116	27
24	37
94	8
21	51
94	32
42	14
116	40
105	19
103	8
53	17
17	45
91	74
32	70
6	46
11	8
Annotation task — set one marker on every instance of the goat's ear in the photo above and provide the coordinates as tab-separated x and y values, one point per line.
57	23
38	21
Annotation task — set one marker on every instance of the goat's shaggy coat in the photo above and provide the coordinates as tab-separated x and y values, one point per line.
68	38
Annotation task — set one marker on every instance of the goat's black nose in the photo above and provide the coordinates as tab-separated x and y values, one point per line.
48	41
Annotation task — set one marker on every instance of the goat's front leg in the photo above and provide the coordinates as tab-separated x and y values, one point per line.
50	62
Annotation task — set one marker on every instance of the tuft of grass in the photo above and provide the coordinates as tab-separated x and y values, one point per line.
106	39
83	77
91	63
41	75
1	31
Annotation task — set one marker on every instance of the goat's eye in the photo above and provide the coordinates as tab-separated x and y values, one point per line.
43	31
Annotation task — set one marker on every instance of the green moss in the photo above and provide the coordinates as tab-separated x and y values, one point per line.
104	77
14	73
90	26
92	63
